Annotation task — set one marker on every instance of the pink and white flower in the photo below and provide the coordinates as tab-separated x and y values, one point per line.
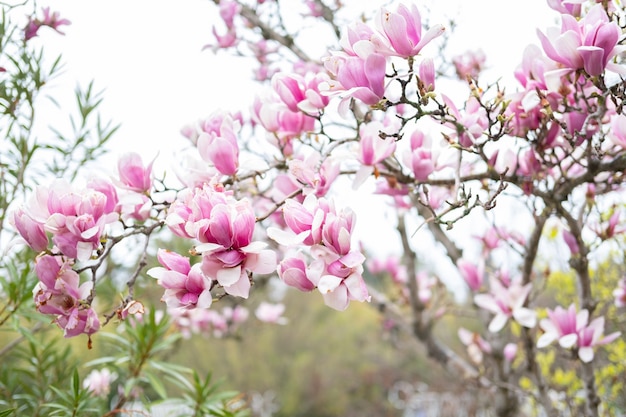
507	302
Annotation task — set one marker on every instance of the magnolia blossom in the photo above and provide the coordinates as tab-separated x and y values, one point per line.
133	174
217	144
507	302
98	382
224	227
403	31
469	64
372	149
271	313
337	268
572	329
76	219
589	43
301	93
618	130
317	176
476	345
52	20
185	285
295	272
427	156
472	273
32	231
573	7
620	293
60	293
275	117
470	124
361	78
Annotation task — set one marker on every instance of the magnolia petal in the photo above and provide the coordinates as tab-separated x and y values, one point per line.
328	283
286	238
525	316
84	250
487	302
546	339
361	175
498	323
263	262
241	288
586	354
568	340
228	276
207	247
337	299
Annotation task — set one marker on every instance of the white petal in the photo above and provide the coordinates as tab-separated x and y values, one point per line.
498	323
568	341
286	238
228	276
328	283
525	316
546	339
585	354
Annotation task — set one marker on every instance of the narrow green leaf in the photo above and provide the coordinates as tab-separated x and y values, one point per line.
156	384
6	413
76	383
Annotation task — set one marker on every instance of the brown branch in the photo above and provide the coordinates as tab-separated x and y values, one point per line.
421	326
270	34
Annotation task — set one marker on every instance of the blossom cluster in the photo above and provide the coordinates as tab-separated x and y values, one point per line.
72	227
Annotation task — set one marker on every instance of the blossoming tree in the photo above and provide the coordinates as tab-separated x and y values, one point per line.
525	174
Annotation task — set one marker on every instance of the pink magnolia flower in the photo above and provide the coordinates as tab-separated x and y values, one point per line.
52	20
98	382
469	64
573	7
372	149
476	345
342	280
337	268
75	218
589	43
403	30
224	227
271	313
294	272
390	265
301	93
426	74
427	155
283	124
618	130
572	329
510	351
472	274
60	293
470	124
217	144
507	302
620	293
317	176
133	174
363	79
185	285
32	232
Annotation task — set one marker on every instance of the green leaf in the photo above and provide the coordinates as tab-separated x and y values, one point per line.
76	383
6	413
156	384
